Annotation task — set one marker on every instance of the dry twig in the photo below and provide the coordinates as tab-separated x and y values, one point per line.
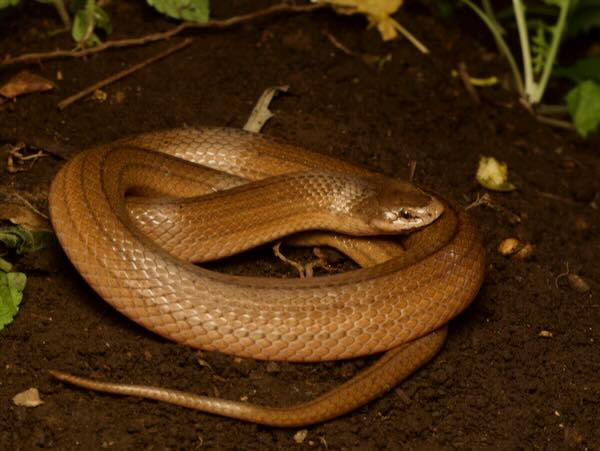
466	79
15	154
153	37
555	122
365	57
412	168
30	205
124	73
558	198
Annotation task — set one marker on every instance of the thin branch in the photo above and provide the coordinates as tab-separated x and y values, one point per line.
366	58
30	206
62	12
464	76
551	110
124	73
338	45
153	37
412	168
558	198
555	122
504	49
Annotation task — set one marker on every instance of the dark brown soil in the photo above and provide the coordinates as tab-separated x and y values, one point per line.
497	384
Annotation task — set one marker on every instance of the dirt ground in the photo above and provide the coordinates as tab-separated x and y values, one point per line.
497	384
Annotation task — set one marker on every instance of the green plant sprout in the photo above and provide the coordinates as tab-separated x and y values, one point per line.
539	43
538	58
12	284
87	16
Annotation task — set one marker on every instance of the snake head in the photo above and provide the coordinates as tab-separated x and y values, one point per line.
401	207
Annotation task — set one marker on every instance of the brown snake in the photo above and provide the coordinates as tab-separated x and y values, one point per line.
397	304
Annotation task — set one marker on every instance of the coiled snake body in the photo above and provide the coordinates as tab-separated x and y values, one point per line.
135	254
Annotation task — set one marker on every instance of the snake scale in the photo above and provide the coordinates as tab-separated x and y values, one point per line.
239	190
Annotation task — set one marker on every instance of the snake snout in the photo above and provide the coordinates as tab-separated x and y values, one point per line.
407	218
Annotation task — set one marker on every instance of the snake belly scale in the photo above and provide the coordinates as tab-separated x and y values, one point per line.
400	304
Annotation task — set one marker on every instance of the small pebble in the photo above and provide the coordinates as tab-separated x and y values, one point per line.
509	246
28	398
515	248
300	436
577	283
525	252
581	224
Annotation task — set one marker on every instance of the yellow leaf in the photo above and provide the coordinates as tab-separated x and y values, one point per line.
493	175
378	13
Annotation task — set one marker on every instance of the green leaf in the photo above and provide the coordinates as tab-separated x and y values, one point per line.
583	103
4	265
76	5
83	25
559	3
539	46
583	69
583	18
7	3
194	10
12	285
24	240
88	19
102	20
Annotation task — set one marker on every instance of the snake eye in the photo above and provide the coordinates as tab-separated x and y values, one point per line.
405	214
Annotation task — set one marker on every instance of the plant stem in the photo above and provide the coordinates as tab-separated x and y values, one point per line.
519	9
557	32
487	8
489	11
413	40
62	12
4	265
90	22
501	43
